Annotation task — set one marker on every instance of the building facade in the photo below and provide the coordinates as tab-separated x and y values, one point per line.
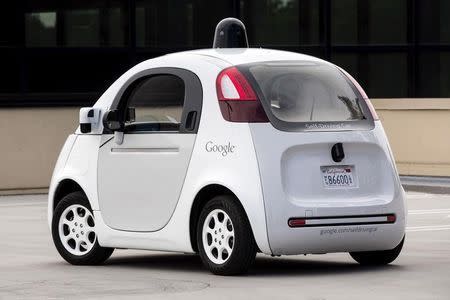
59	55
66	53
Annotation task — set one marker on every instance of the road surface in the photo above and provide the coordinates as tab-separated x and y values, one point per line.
30	267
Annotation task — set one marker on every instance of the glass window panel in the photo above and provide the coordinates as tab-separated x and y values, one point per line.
433	74
158	103
433	21
309	22
382	75
116	27
343	22
9	76
10	23
74	72
387	75
96	24
82	27
186	23
40	29
272	22
372	22
307	91
387	21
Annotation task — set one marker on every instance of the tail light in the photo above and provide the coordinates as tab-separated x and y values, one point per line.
363	94
296	222
391	218
237	100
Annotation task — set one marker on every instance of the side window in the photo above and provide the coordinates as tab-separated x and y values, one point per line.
158	103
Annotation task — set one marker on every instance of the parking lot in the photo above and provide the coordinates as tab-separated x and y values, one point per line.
30	267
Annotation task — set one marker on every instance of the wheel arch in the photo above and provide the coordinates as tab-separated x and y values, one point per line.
64	188
205	194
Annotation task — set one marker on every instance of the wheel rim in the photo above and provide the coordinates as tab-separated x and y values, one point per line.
77	230
218	236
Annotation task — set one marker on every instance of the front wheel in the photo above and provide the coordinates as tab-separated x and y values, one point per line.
378	258
73	231
224	237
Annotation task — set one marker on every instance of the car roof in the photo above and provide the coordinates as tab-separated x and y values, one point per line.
222	58
237	56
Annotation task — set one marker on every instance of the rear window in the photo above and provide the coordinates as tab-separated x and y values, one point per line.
299	94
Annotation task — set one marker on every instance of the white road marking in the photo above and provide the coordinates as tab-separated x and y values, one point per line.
428	228
22	204
428	211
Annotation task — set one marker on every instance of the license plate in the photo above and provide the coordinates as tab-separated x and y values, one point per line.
338	176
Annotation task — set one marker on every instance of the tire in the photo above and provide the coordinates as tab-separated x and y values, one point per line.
74	236
223	219
378	258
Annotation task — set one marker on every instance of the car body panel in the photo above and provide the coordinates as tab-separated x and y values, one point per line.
142	179
80	166
292	183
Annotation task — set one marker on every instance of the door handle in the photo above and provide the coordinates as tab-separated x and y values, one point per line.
191	120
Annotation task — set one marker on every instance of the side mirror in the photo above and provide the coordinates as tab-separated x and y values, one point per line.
89	119
111	121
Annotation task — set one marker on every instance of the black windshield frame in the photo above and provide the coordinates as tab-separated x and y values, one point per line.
346	125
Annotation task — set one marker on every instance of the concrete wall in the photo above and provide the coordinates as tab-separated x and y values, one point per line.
419	134
30	139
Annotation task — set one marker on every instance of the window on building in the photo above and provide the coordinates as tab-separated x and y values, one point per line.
117	27
82	28
191	24
382	75
281	22
433	21
10	73
95	26
368	22
40	29
393	48
74	72
433	74
10	24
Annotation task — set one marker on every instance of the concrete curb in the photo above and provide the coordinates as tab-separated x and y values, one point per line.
33	191
426	184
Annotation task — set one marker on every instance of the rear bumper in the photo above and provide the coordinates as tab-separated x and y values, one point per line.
338	238
356	230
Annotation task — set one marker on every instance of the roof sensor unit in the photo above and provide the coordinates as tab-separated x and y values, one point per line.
230	33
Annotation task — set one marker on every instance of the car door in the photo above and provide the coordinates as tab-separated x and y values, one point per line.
140	179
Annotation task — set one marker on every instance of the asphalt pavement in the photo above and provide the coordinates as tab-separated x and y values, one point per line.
30	267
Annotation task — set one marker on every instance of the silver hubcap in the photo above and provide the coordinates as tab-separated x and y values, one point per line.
218	236
77	230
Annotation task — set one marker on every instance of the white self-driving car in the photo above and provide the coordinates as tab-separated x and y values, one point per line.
227	152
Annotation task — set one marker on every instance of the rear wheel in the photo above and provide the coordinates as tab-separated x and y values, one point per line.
224	237
377	258
73	231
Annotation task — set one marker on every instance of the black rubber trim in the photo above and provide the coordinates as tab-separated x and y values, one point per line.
341	217
106	141
193	95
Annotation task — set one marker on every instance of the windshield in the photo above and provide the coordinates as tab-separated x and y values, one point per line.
307	92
